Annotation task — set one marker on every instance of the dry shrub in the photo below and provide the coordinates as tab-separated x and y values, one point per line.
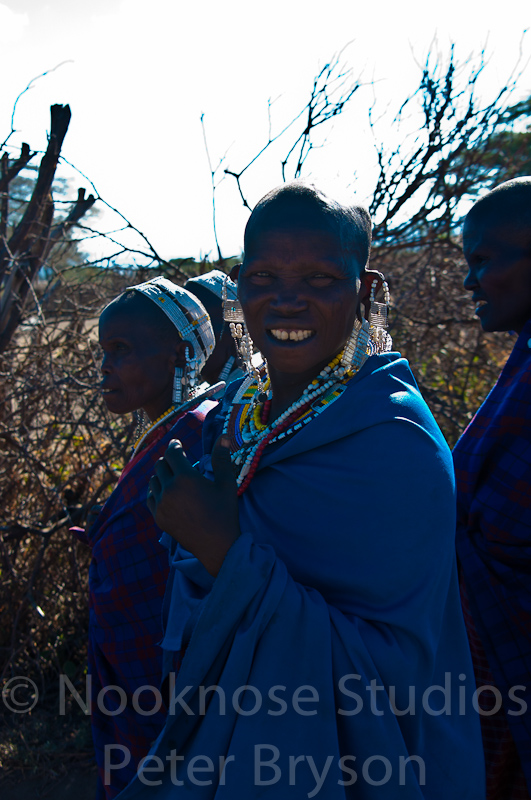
433	325
61	452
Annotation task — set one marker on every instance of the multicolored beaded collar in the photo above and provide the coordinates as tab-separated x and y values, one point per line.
247	423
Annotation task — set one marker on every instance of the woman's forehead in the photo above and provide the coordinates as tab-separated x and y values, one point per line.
138	317
301	248
292	239
122	321
493	231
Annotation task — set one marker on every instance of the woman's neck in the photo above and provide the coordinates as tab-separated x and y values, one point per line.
287	388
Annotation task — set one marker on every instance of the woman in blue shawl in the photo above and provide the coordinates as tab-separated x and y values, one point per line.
313	609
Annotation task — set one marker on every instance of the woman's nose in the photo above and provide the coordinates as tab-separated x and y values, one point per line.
470	282
289	299
106	366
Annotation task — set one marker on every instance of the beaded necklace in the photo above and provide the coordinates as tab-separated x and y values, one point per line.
247	423
172	411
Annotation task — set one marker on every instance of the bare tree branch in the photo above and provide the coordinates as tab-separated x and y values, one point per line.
332	89
213	183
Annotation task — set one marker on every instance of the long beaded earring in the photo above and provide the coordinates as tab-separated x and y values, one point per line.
233	314
185	380
191	377
380	340
227	368
356	349
378	311
177	394
232	308
141	423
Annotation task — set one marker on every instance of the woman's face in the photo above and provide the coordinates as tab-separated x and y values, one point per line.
499	273
138	363
299	299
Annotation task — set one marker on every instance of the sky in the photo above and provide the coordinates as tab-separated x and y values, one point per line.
138	75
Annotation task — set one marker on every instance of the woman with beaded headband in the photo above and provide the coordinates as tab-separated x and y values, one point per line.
313	601
156	338
209	287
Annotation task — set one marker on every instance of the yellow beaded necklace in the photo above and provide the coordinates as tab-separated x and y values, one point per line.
155	424
174	409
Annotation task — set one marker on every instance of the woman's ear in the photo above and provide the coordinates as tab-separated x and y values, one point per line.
235	271
183	350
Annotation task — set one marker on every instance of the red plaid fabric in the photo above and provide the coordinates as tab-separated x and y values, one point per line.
505	778
127	581
493	472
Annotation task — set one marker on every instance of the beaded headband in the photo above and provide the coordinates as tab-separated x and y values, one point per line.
214	281
185	311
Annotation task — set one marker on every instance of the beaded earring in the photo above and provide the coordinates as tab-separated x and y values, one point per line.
380	340
233	314
378	311
356	349
232	308
227	368
177	393
192	377
185	380
141	423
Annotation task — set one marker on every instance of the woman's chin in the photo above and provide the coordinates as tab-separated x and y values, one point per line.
291	356
114	405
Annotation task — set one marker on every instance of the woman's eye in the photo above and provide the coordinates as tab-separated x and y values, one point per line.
120	347
320	279
261	277
478	260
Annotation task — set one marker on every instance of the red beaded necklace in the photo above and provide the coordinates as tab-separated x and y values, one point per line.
249	439
283	426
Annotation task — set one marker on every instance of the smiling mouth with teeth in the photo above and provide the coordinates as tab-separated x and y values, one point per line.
292	336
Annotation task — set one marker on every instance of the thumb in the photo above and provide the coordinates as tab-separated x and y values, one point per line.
221	463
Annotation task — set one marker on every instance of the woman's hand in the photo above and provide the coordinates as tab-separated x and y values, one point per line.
202	515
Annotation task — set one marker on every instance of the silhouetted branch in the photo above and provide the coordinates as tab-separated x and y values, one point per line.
332	89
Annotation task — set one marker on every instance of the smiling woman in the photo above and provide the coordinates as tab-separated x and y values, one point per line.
316	550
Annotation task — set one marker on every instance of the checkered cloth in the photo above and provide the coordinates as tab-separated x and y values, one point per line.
493	471
127	581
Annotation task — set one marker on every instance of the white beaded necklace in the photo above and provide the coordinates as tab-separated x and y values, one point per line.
329	376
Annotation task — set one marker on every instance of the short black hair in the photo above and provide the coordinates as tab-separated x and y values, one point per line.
281	207
133	302
506	204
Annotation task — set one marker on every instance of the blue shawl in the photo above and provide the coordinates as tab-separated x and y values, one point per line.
325	659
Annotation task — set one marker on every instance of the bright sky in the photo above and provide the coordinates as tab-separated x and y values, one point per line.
140	74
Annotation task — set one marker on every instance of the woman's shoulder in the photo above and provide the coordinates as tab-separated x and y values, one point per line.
381	416
385	389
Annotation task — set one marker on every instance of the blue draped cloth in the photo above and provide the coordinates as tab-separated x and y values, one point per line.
326	658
